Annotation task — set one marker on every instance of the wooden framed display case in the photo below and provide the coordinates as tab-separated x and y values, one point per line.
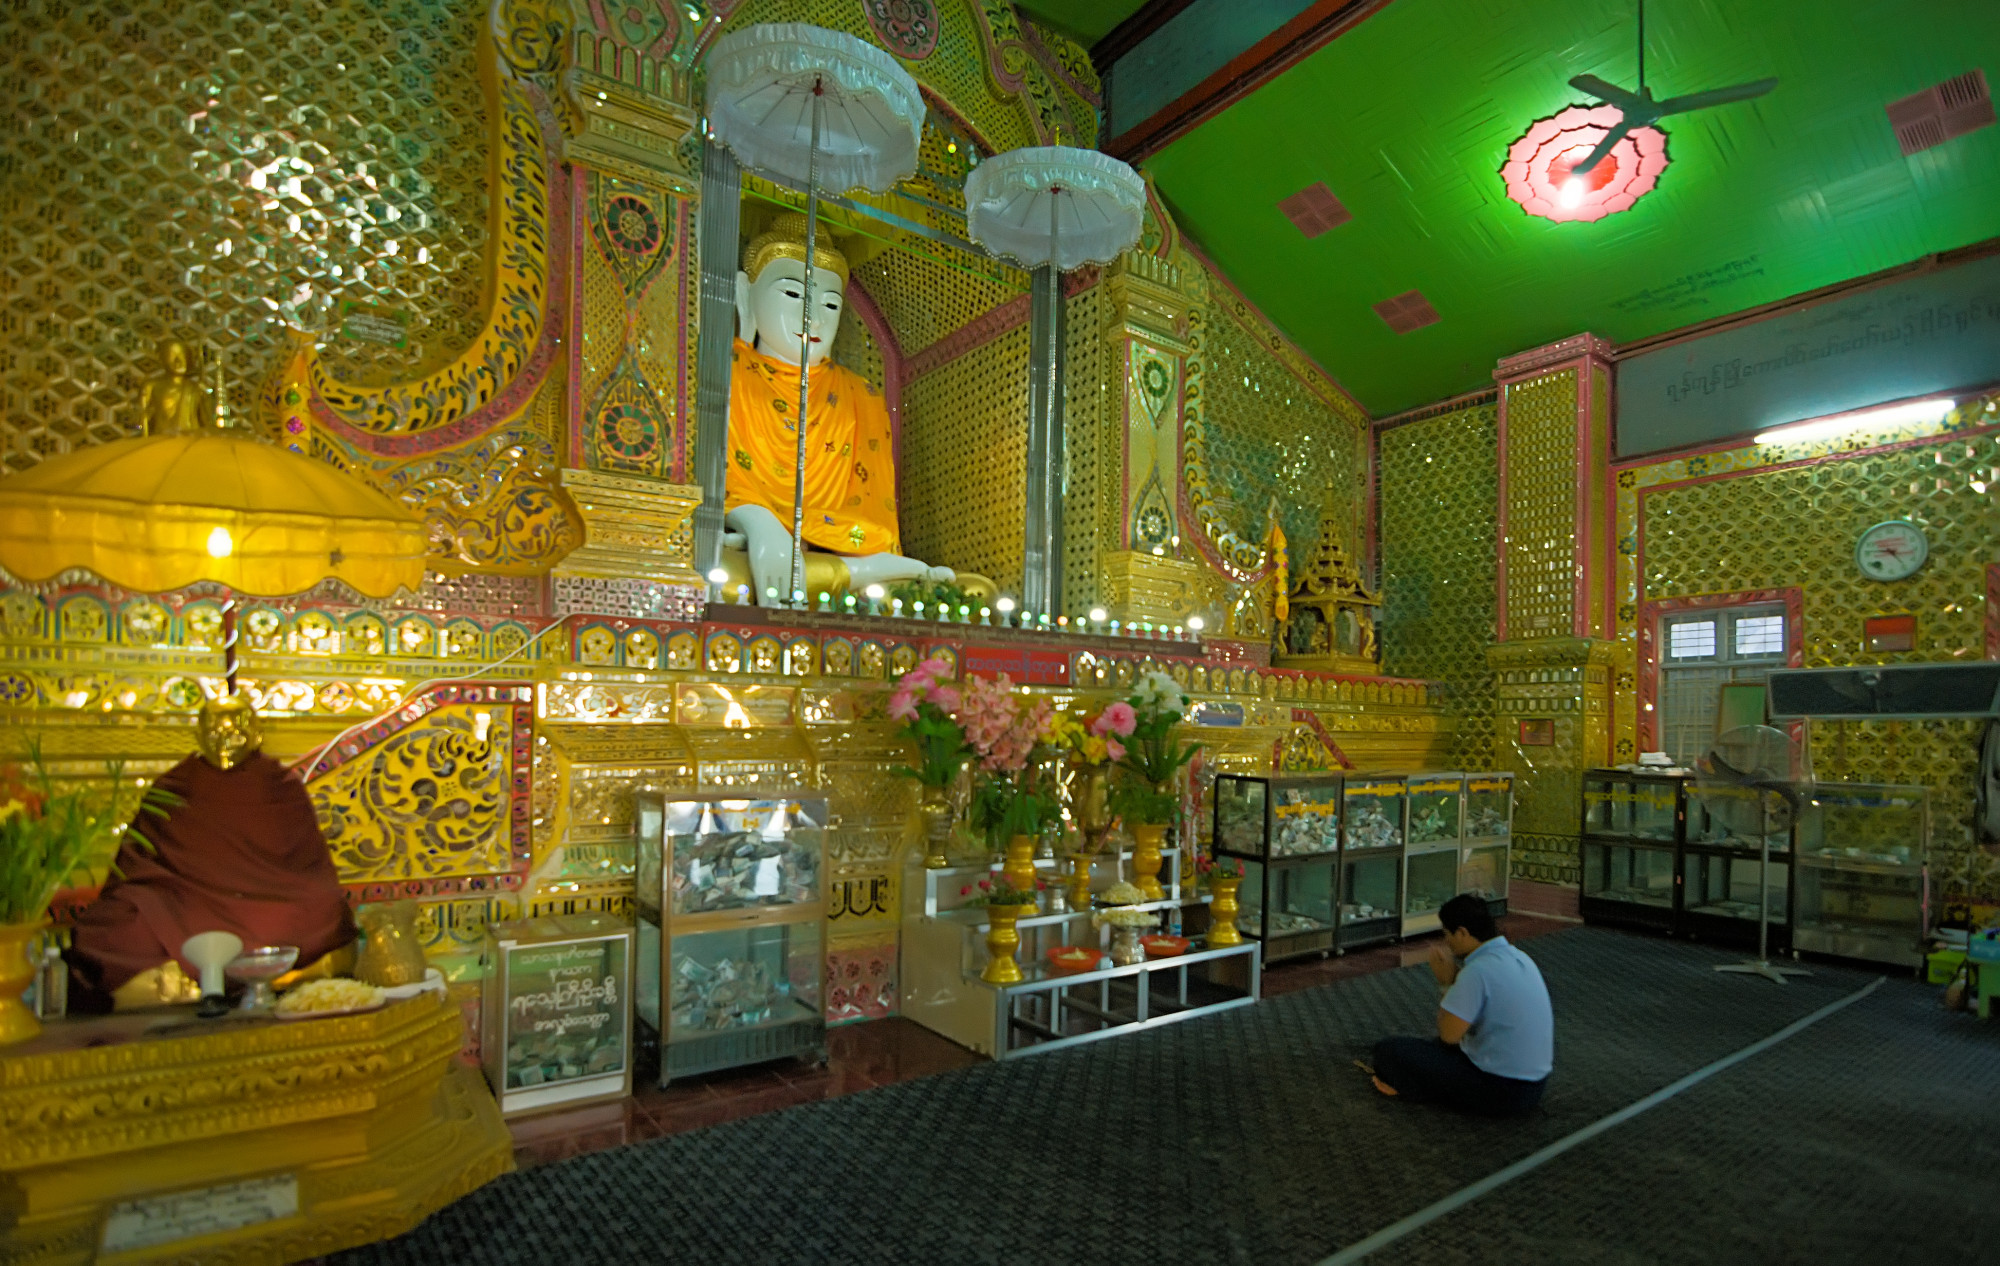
1630	850
1721	868
944	952
556	1017
1485	856
1434	816
1861	882
731	929
1371	859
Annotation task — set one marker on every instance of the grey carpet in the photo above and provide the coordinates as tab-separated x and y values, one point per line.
1246	1137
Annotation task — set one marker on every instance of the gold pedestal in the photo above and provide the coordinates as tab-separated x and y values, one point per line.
244	1140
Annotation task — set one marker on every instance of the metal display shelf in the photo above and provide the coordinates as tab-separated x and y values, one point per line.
1050	1010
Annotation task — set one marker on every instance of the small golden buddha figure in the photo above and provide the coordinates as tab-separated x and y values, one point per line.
240	851
174	401
850	464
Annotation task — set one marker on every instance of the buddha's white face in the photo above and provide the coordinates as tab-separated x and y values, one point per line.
770	310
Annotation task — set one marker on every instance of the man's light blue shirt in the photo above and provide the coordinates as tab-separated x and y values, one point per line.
1500	993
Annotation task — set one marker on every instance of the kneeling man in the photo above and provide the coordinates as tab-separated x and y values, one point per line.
1496	1034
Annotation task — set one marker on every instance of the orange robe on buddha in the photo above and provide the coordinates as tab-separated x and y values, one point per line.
242	853
850	459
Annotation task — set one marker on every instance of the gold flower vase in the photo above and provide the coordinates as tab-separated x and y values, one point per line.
1090	805
935	806
1146	840
17	1023
1222	911
1019	868
1003	940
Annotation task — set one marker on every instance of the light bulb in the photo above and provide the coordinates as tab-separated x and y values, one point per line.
1098	615
875	592
220	543
1195	622
1004	606
718	575
1572	192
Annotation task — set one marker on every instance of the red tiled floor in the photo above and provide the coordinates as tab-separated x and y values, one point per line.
864	1056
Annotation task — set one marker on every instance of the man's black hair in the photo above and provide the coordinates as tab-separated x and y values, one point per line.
1471	914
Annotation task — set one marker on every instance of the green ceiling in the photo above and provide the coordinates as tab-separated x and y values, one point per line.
1088	20
1408	116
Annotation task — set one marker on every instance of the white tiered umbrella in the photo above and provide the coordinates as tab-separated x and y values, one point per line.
810	104
1056	208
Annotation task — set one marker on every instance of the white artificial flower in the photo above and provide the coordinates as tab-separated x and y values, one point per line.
1159	692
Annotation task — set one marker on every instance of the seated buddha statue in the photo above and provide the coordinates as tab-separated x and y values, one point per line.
240	851
174	402
850	460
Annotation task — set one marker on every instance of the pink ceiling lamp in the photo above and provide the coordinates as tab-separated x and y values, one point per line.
1539	165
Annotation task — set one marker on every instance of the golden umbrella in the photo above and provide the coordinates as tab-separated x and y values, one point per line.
162	512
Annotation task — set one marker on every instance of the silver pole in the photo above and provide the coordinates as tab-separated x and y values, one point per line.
1041	565
721	207
805	356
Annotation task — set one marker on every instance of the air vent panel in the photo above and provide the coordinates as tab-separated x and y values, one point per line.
1925	120
1407	311
1313	210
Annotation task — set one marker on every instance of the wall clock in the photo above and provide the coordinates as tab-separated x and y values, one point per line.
1891	550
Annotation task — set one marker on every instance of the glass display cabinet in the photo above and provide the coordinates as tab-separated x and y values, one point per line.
1860	857
1371	859
1436	813
1434	817
731	917
1485	856
1277	815
1371	899
1289	906
1630	851
1372	813
1722	859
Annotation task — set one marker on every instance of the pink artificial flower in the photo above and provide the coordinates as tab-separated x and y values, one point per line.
945	697
1117	718
1113	749
903	704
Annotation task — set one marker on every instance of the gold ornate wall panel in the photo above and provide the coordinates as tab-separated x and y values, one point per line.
854	348
1780	516
1091	457
1541	505
636	278
1564	685
924	300
964	460
1438	479
208	172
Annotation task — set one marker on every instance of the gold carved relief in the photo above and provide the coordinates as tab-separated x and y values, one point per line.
427	801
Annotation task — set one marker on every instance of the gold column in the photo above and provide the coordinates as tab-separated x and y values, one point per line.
1553	662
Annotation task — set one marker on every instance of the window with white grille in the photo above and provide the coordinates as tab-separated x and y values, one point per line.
1705	651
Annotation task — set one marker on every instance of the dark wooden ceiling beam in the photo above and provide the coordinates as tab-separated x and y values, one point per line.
1127	35
1298	39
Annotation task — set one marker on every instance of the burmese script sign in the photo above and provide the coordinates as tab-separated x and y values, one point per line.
137	1224
1023	667
565	1012
1927	334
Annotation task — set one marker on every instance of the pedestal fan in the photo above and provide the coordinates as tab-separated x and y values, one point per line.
1746	783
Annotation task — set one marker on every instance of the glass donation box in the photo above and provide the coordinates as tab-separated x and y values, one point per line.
556	1015
731	929
1286	830
1861	886
1434	818
1371	860
1489	828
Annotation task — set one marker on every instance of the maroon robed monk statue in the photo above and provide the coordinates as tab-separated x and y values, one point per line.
240	851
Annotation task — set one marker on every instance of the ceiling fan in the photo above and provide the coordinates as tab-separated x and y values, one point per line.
1639	109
